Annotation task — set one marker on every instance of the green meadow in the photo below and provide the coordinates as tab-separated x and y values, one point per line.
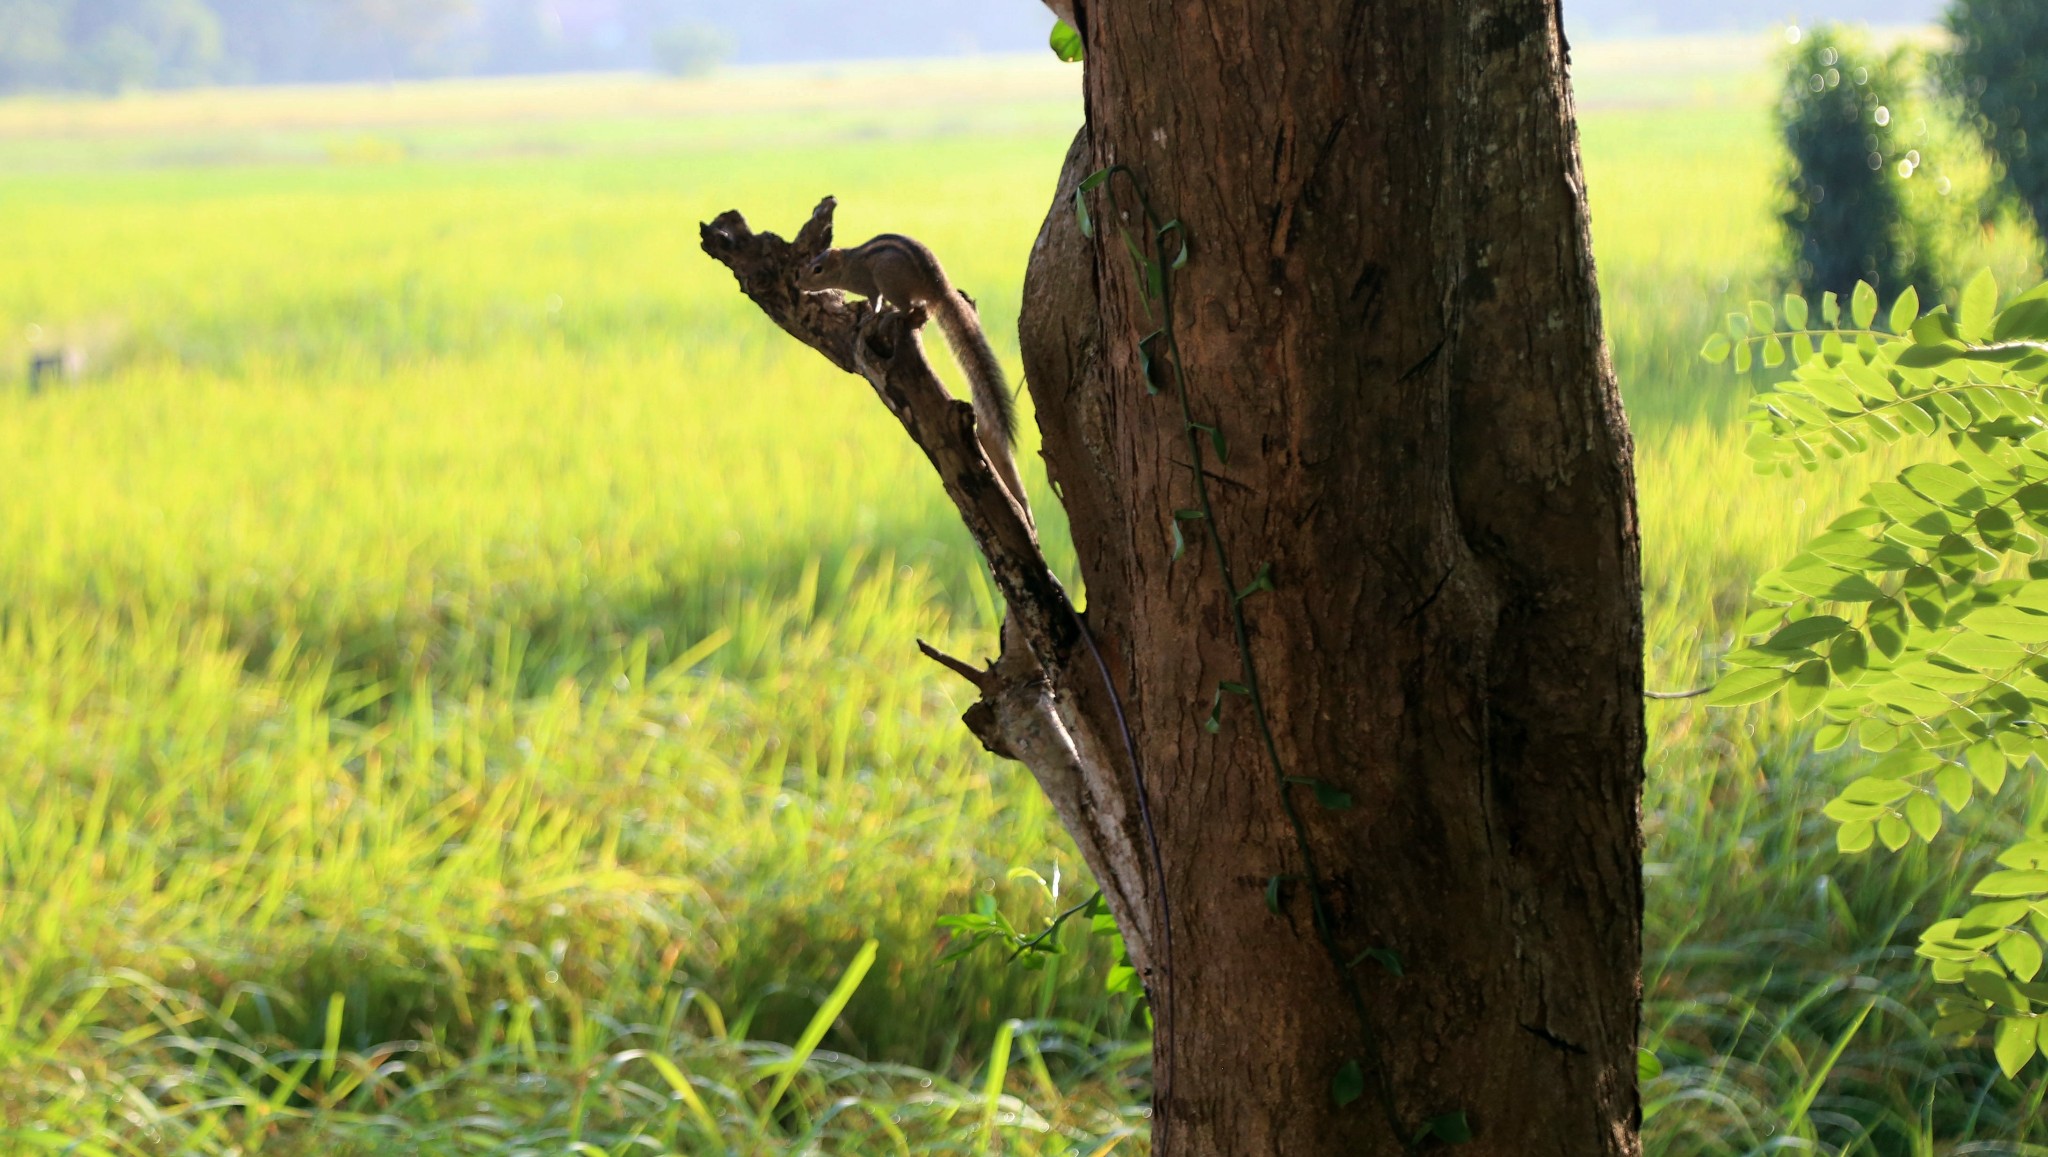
457	682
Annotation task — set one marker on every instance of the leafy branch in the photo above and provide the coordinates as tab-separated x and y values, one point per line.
1915	627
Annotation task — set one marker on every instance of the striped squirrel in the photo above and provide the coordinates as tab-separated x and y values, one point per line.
898	271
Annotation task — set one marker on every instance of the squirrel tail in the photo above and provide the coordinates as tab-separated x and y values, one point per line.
992	403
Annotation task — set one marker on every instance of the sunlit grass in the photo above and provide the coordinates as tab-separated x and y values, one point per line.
454	651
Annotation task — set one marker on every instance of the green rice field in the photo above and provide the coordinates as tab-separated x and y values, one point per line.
457	683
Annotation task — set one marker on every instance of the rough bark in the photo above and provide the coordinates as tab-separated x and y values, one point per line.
1390	314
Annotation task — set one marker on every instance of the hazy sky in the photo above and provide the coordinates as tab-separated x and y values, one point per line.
1592	19
769	30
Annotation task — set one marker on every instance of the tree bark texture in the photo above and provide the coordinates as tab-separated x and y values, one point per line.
1358	769
1390	314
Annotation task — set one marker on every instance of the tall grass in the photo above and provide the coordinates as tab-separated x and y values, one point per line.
457	689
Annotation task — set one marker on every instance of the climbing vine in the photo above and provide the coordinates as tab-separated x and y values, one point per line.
1164	252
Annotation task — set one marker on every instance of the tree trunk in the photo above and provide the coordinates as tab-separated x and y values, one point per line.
1389	313
1377	729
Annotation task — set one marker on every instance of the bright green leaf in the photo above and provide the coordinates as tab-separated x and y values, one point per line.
1809	684
1863	305
1803	634
1944	486
1963	1022
1980	305
2014	1044
1892	830
1849	656
1066	42
1795	310
1955	786
1987	763
1905	311
1761	319
1876	789
2013	882
1855	836
2021	954
1748	685
1924	815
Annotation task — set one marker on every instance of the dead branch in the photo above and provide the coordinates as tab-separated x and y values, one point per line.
884	349
1028	710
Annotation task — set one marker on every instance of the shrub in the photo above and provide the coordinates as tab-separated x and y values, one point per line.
1996	70
1845	209
691	49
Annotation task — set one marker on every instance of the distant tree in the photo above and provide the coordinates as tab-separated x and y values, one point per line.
32	43
691	49
126	44
405	37
1997	69
1844	211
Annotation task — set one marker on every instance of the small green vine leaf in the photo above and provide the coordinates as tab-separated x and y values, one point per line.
1180	542
1326	795
1081	211
1148	269
1066	42
1347	1084
1215	439
1234	688
1173	228
1273	894
1386	958
1262	583
1450	1128
1214	723
1148	364
1648	1067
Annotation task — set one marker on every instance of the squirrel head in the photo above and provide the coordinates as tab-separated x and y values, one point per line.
819	274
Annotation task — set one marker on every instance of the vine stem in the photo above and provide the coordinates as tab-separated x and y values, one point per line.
1053	928
1166	262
